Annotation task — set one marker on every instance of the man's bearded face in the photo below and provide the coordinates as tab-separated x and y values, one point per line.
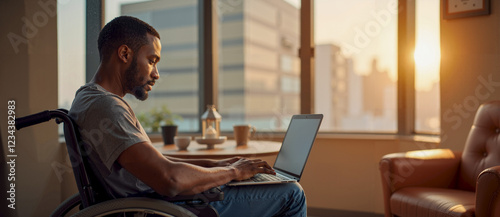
135	83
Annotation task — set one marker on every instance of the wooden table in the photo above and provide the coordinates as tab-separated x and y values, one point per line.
254	149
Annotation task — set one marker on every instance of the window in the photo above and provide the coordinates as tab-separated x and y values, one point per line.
356	65
427	61
259	80
177	24
71	50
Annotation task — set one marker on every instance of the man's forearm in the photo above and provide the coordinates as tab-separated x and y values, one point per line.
199	162
191	179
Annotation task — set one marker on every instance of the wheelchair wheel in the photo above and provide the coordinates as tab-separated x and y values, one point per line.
135	207
67	205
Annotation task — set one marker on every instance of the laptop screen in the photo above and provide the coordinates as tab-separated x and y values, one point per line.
297	143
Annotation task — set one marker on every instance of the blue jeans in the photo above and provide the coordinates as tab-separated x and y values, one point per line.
262	201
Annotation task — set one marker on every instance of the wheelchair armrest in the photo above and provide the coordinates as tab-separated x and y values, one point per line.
213	194
134	204
194	204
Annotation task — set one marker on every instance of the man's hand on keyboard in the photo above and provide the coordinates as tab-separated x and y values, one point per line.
246	168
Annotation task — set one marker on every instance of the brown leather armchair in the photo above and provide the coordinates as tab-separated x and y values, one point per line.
441	182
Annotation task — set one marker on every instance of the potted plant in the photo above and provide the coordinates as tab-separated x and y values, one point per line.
161	118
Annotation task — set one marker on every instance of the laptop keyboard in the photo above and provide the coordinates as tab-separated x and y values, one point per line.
261	177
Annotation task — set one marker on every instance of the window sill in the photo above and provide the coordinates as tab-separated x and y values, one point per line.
372	136
278	136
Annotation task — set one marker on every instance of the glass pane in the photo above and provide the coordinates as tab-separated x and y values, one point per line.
356	65
427	63
177	23
259	78
71	50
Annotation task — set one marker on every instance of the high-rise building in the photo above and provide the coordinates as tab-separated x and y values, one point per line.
331	85
350	101
259	80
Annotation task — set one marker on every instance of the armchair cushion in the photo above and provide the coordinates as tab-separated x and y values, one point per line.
421	201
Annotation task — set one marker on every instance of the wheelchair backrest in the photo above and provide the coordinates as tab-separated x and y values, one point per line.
90	185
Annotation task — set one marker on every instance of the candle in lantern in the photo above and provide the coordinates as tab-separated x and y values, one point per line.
210	133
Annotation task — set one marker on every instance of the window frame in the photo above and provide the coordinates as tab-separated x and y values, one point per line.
406	68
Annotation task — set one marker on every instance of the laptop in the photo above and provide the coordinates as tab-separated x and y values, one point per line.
292	157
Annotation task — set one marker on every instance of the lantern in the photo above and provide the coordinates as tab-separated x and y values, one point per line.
210	123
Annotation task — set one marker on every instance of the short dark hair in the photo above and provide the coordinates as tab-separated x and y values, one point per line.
123	30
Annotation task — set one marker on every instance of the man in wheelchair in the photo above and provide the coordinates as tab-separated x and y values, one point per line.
122	154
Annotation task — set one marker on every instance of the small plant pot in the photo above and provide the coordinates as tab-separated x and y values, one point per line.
168	133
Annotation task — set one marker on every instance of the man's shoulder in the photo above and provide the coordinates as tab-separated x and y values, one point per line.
93	93
92	98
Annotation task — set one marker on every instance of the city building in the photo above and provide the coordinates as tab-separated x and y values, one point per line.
258	62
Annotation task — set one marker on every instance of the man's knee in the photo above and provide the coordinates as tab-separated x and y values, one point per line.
296	187
297	205
296	190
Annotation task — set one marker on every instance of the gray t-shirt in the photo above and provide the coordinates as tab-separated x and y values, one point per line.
109	126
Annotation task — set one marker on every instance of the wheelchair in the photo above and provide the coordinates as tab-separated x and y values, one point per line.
93	198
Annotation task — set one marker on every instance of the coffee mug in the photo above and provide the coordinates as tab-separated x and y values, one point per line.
182	142
242	134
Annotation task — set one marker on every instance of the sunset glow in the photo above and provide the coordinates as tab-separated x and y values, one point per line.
427	57
427	53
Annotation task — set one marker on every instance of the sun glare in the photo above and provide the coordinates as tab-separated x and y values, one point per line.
427	45
427	57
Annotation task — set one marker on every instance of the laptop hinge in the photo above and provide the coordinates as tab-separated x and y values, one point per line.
286	174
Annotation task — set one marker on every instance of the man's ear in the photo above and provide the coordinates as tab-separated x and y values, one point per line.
125	53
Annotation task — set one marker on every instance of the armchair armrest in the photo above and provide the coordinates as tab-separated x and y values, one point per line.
425	168
487	192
